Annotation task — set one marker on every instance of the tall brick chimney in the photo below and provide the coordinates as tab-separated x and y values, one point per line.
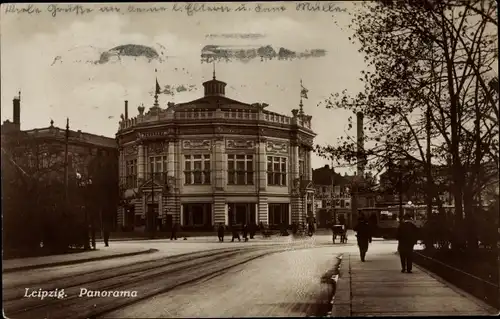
17	111
360	137
126	110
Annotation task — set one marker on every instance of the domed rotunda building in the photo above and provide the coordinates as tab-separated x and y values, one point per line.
214	160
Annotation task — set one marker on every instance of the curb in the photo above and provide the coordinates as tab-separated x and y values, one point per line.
341	300
77	261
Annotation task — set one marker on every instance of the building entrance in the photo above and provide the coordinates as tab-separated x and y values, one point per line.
152	222
241	213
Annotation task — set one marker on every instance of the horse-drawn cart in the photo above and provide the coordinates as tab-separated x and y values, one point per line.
339	230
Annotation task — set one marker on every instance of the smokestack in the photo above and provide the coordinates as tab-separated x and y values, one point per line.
360	137
126	110
17	111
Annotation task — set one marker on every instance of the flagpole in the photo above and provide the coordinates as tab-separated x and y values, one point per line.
301	111
156	89
66	141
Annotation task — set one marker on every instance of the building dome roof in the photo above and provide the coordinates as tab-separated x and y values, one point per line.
214	87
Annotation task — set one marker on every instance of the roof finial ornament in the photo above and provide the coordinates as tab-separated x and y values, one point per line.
213	62
157	90
51	123
303	95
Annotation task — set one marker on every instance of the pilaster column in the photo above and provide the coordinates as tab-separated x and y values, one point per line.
219	166
160	206
262	165
313	207
306	213
140	162
121	165
295	157
309	165
171	159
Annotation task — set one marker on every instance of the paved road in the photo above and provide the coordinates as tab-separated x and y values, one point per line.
166	248
258	281
283	284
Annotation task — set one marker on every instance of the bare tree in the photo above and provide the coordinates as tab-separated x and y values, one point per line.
429	90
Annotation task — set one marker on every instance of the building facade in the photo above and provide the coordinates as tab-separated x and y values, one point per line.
214	160
332	195
40	156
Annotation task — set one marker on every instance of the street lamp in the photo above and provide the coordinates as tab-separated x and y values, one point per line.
412	207
84	185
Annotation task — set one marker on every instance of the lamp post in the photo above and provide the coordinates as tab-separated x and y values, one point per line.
152	211
411	208
83	185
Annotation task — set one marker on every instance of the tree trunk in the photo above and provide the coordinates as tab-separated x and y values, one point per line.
471	220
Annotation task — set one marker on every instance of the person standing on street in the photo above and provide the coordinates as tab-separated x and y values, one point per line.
363	233
105	235
245	232
220	232
174	232
236	233
407	238
252	228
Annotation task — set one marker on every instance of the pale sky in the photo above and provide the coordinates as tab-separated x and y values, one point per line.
92	96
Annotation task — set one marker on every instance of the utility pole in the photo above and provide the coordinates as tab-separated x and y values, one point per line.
429	191
400	194
66	184
153	212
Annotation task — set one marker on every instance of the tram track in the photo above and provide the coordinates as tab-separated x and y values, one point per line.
148	282
12	292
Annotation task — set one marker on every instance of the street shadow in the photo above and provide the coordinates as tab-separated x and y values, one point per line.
319	305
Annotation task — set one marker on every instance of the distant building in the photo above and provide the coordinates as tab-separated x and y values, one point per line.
40	152
334	196
214	160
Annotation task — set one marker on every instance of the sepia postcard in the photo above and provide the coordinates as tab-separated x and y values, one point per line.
250	159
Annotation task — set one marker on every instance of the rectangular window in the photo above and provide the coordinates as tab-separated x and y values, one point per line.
157	164
276	171
197	215
278	214
131	173
239	169
197	169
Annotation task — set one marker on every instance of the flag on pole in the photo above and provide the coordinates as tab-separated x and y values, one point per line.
158	89
303	91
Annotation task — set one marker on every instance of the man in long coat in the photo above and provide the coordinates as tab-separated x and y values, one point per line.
363	234
407	237
220	232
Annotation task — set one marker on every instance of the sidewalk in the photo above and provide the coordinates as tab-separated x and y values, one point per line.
102	253
378	288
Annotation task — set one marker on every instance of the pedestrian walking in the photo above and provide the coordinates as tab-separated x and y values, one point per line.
173	236
310	227
245	232
236	233
407	237
105	235
363	234
92	235
220	232
252	229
